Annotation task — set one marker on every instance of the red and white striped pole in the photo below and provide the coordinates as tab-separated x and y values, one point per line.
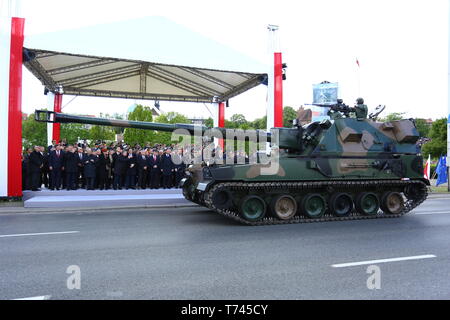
11	44
275	81
219	120
57	106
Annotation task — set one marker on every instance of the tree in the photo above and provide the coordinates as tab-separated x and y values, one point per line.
422	127
140	136
33	132
72	131
392	117
169	117
259	123
237	120
438	135
209	122
101	133
289	114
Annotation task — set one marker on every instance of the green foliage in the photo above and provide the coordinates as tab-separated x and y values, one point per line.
237	120
140	136
259	123
438	135
392	117
289	114
72	131
169	117
422	127
33	132
101	133
209	122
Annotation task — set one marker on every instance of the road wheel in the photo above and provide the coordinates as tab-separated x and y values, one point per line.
367	203
188	190
341	204
392	203
252	208
222	198
314	205
284	207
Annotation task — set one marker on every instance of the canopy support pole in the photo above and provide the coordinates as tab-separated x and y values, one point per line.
275	82
219	120
57	106
11	41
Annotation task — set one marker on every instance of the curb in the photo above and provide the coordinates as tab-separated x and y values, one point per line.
22	210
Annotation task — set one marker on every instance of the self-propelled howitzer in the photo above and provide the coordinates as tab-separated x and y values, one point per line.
342	169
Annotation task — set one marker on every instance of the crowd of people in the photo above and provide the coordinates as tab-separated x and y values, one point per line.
103	167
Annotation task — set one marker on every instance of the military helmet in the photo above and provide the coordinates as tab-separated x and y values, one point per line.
360	101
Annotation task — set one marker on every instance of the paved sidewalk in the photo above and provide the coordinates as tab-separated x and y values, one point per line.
62	200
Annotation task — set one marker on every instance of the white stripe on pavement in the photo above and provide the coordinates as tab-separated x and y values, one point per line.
35	234
432	212
35	298
360	263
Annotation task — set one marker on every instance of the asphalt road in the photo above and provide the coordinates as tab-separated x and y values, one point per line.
192	253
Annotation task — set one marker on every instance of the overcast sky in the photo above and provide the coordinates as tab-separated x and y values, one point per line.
401	46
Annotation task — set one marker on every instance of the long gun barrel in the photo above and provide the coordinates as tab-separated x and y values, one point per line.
56	117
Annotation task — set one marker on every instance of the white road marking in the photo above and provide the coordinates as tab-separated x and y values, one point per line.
432	212
35	298
35	234
360	263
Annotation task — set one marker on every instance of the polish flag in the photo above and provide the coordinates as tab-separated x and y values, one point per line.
426	170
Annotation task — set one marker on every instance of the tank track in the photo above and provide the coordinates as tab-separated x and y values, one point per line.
410	204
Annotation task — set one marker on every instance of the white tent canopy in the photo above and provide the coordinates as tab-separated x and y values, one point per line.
147	58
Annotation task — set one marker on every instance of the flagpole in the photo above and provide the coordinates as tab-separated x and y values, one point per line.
358	73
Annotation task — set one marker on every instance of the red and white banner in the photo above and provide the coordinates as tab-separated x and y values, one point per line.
426	169
11	44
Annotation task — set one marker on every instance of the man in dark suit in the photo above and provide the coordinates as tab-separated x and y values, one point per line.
25	160
167	169
130	181
179	166
55	164
89	168
102	168
52	146
142	164
153	162
45	172
120	169
70	168
35	164
80	181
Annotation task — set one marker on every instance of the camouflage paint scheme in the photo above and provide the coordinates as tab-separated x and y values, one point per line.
349	149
